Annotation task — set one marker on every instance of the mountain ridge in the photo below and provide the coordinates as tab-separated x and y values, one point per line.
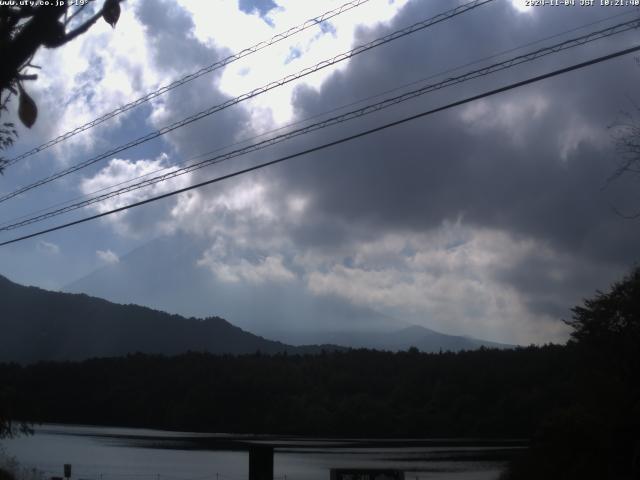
41	325
423	338
265	308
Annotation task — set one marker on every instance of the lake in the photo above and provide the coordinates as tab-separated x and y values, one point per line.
101	453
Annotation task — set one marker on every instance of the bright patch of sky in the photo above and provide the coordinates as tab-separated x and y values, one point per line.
108	257
523	6
219	25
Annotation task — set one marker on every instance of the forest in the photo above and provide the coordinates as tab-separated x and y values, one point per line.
359	392
578	404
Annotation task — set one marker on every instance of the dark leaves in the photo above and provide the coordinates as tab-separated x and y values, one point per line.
111	12
55	35
7	132
27	109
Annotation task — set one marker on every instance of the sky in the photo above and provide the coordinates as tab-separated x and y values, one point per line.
491	219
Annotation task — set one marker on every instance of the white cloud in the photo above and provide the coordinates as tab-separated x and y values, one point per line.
513	113
268	269
242	212
577	131
509	115
444	280
119	171
522	6
48	247
122	172
92	75
238	30
108	257
448	277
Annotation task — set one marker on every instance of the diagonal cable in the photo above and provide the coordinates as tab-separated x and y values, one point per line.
258	91
326	112
510	63
339	141
192	76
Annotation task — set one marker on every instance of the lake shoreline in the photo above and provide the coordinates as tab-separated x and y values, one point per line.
99	453
221	441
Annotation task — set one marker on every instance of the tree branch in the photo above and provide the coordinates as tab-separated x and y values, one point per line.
82	28
68	20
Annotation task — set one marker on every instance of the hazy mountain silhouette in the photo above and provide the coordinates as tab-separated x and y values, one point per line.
286	312
429	340
37	324
178	285
423	338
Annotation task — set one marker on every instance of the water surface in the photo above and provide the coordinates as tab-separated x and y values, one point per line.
101	453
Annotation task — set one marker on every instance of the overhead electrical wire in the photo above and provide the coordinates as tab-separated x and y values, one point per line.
192	76
509	63
253	93
326	112
342	140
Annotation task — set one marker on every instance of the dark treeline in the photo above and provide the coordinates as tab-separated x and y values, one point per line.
579	404
488	393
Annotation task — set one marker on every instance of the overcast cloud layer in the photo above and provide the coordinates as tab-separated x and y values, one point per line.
491	219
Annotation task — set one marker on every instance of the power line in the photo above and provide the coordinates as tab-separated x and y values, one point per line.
336	142
12	221
509	63
192	76
258	91
326	112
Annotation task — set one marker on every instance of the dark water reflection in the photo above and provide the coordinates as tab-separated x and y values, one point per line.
99	453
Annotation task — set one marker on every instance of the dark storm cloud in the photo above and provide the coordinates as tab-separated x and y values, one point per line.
554	283
169	30
175	52
532	162
175	47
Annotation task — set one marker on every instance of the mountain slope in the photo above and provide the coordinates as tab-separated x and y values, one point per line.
178	284
284	311
423	338
429	340
36	324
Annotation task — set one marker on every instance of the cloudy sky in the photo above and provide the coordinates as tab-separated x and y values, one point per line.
491	219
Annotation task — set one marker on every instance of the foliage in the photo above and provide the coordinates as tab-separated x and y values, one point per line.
4	475
9	427
579	403
626	138
24	28
598	436
489	393
610	322
11	469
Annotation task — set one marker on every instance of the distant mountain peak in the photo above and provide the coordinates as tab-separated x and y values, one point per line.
417	330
